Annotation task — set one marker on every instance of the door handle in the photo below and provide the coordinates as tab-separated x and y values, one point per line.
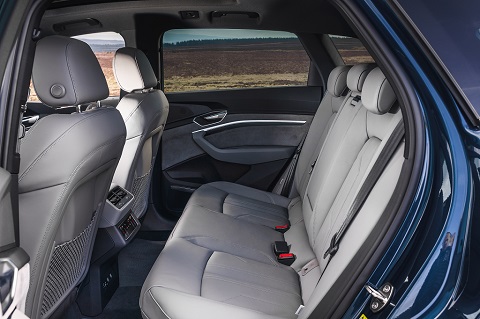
210	118
214	116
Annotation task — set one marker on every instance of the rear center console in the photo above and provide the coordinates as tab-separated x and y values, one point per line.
117	227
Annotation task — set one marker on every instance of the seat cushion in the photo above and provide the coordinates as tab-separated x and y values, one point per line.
221	232
242	202
222	285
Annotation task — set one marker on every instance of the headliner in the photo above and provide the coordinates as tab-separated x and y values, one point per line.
297	16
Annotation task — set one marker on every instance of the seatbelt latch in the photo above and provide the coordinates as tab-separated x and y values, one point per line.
283	228
286	259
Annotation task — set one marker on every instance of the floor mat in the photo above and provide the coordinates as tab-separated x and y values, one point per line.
134	264
124	304
136	260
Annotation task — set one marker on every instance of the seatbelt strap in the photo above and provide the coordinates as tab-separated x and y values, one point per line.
287	183
377	169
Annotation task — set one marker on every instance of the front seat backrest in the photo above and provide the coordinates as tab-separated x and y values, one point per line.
67	165
144	110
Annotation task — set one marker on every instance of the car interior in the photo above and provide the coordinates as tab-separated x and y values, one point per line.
208	159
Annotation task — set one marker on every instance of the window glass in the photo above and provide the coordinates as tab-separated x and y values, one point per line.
213	59
351	50
104	45
452	29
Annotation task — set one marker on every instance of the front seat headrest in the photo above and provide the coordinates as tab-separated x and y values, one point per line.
133	70
66	72
378	95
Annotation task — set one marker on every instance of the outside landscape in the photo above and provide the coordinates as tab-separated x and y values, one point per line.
219	63
240	63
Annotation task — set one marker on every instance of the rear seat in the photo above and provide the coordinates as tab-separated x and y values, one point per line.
270	209
219	261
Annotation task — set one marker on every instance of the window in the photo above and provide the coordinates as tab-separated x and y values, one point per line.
351	50
213	59
104	45
452	30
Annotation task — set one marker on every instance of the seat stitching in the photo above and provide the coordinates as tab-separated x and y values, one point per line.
253	273
255	216
206	208
155	300
70	72
253	286
204	270
253	205
257	209
138	69
257	298
136	108
143	313
212	300
39	157
266	194
191	238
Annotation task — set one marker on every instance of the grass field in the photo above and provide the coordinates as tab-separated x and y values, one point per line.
237	66
221	66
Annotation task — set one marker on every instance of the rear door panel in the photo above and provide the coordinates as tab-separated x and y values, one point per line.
251	145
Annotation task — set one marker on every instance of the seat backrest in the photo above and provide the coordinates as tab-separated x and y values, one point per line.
344	84
341	170
67	164
144	110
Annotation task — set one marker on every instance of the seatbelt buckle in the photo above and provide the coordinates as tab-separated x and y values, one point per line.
280	247
286	259
283	228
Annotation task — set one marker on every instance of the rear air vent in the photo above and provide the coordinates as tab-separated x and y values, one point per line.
119	197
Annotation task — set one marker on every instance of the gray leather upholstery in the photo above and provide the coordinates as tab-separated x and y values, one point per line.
66	72
133	70
379	96
357	75
219	263
144	112
67	164
337	80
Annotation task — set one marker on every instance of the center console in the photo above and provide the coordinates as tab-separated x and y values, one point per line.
117	227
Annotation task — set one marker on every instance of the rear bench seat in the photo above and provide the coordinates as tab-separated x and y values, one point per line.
219	261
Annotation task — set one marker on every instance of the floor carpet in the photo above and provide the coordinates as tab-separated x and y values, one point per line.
134	264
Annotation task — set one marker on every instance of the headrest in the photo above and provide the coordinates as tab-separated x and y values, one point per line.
66	72
337	80
378	95
133	70
357	75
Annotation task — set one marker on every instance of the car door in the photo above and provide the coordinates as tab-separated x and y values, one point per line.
14	266
240	104
14	261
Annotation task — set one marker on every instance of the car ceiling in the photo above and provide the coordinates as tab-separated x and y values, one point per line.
73	17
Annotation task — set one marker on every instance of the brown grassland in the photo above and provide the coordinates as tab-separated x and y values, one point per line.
200	68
